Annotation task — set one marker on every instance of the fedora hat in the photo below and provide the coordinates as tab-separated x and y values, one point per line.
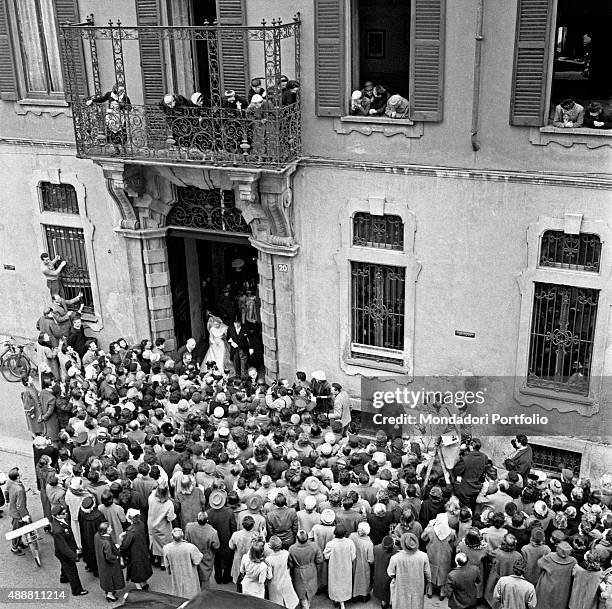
217	499
312	484
254	502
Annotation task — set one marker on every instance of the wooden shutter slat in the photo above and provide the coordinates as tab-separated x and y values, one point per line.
151	52
233	46
531	57
8	77
427	29
67	11
330	65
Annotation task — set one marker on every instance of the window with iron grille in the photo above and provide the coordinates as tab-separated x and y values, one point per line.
561	338
384	232
553	460
377	310
60	198
69	244
574	252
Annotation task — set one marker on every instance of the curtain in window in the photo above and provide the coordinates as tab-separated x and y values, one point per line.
52	44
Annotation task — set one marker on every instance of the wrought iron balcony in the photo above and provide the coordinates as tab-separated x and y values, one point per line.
213	133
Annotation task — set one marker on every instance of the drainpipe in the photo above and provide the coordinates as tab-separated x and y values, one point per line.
477	74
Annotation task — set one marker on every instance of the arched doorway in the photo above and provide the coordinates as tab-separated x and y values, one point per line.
213	268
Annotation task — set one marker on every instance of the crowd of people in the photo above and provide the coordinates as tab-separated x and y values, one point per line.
376	101
152	460
570	114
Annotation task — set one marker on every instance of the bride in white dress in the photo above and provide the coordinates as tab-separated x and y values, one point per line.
217	351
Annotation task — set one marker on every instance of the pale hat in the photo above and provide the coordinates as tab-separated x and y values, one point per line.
330	437
131	513
325	449
40	442
196	98
310	502
257	99
229	93
76	483
356	95
379	457
394	100
218	412
217	499
328	517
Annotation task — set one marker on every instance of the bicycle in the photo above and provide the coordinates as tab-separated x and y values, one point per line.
29	532
14	362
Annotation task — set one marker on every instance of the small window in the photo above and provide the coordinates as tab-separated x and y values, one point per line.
69	244
59	198
383	232
573	252
553	460
561	340
377	309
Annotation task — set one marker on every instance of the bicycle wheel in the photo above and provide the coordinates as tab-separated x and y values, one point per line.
17	364
35	553
6	373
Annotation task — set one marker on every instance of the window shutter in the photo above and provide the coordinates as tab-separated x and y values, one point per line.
531	56
8	79
151	52
67	11
233	46
330	65
427	26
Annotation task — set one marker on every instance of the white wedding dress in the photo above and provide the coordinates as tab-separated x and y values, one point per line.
217	350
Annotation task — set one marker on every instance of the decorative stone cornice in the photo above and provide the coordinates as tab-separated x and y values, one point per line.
47	144
117	185
597	182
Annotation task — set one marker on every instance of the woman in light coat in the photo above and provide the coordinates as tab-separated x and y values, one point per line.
255	570
410	575
340	553
159	521
364	561
280	587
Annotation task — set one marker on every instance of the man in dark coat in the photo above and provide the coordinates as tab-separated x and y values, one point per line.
134	547
18	506
382	582
282	522
89	520
66	550
76	337
522	459
471	468
238	338
461	584
206	539
222	519
109	565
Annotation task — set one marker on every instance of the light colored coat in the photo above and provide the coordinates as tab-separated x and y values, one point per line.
514	592
280	587
159	523
363	564
181	558
410	573
341	553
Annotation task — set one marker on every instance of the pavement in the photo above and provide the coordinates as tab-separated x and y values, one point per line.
21	572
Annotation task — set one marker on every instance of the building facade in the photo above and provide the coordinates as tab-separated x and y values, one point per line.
466	237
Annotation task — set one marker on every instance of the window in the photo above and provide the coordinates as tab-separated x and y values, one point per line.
69	244
377	316
385	232
39	47
582	51
395	43
58	198
574	252
553	460
561	339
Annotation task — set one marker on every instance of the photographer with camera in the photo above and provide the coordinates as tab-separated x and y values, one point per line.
469	472
522	460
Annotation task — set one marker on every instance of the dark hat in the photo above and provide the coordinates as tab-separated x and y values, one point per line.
56	509
88	503
387	542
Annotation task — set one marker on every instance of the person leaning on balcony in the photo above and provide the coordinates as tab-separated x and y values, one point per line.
255	89
397	107
115	119
360	105
233	101
568	114
378	104
596	118
175	107
290	93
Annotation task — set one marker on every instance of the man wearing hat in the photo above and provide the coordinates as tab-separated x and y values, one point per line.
254	504
235	102
82	451
514	591
555	582
65	550
222	519
410	575
381	580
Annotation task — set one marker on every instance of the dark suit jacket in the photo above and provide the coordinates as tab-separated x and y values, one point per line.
461	587
471	467
240	338
521	463
63	539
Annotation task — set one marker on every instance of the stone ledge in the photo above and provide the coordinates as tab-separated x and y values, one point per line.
591	138
387	126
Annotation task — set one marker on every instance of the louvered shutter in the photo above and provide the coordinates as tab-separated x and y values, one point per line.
67	11
8	78
233	46
151	52
531	57
427	27
330	65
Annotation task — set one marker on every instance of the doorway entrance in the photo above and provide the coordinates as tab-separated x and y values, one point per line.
202	12
214	274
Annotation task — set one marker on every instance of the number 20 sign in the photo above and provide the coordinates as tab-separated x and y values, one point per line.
283	268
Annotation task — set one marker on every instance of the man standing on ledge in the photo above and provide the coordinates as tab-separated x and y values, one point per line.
52	271
522	459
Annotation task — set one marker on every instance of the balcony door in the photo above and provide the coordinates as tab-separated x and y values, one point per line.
202	11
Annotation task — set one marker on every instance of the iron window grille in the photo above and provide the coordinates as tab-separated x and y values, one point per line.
561	338
573	252
377	311
59	198
69	244
213	210
383	232
553	460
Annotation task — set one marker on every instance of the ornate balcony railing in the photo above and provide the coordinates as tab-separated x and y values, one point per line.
214	133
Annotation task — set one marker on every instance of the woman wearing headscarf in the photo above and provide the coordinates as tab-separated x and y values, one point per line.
159	521
503	564
362	567
322	534
475	549
439	537
554	585
43	471
280	587
255	570
410	575
304	558
134	549
191	499
340	553
585	582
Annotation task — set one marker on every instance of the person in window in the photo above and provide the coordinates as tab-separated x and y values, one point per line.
378	105
116	118
289	94
234	102
176	107
368	91
255	89
595	117
568	114
397	107
360	105
283	82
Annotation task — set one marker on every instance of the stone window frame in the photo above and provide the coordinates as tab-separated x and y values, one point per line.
406	259
81	220
549	399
